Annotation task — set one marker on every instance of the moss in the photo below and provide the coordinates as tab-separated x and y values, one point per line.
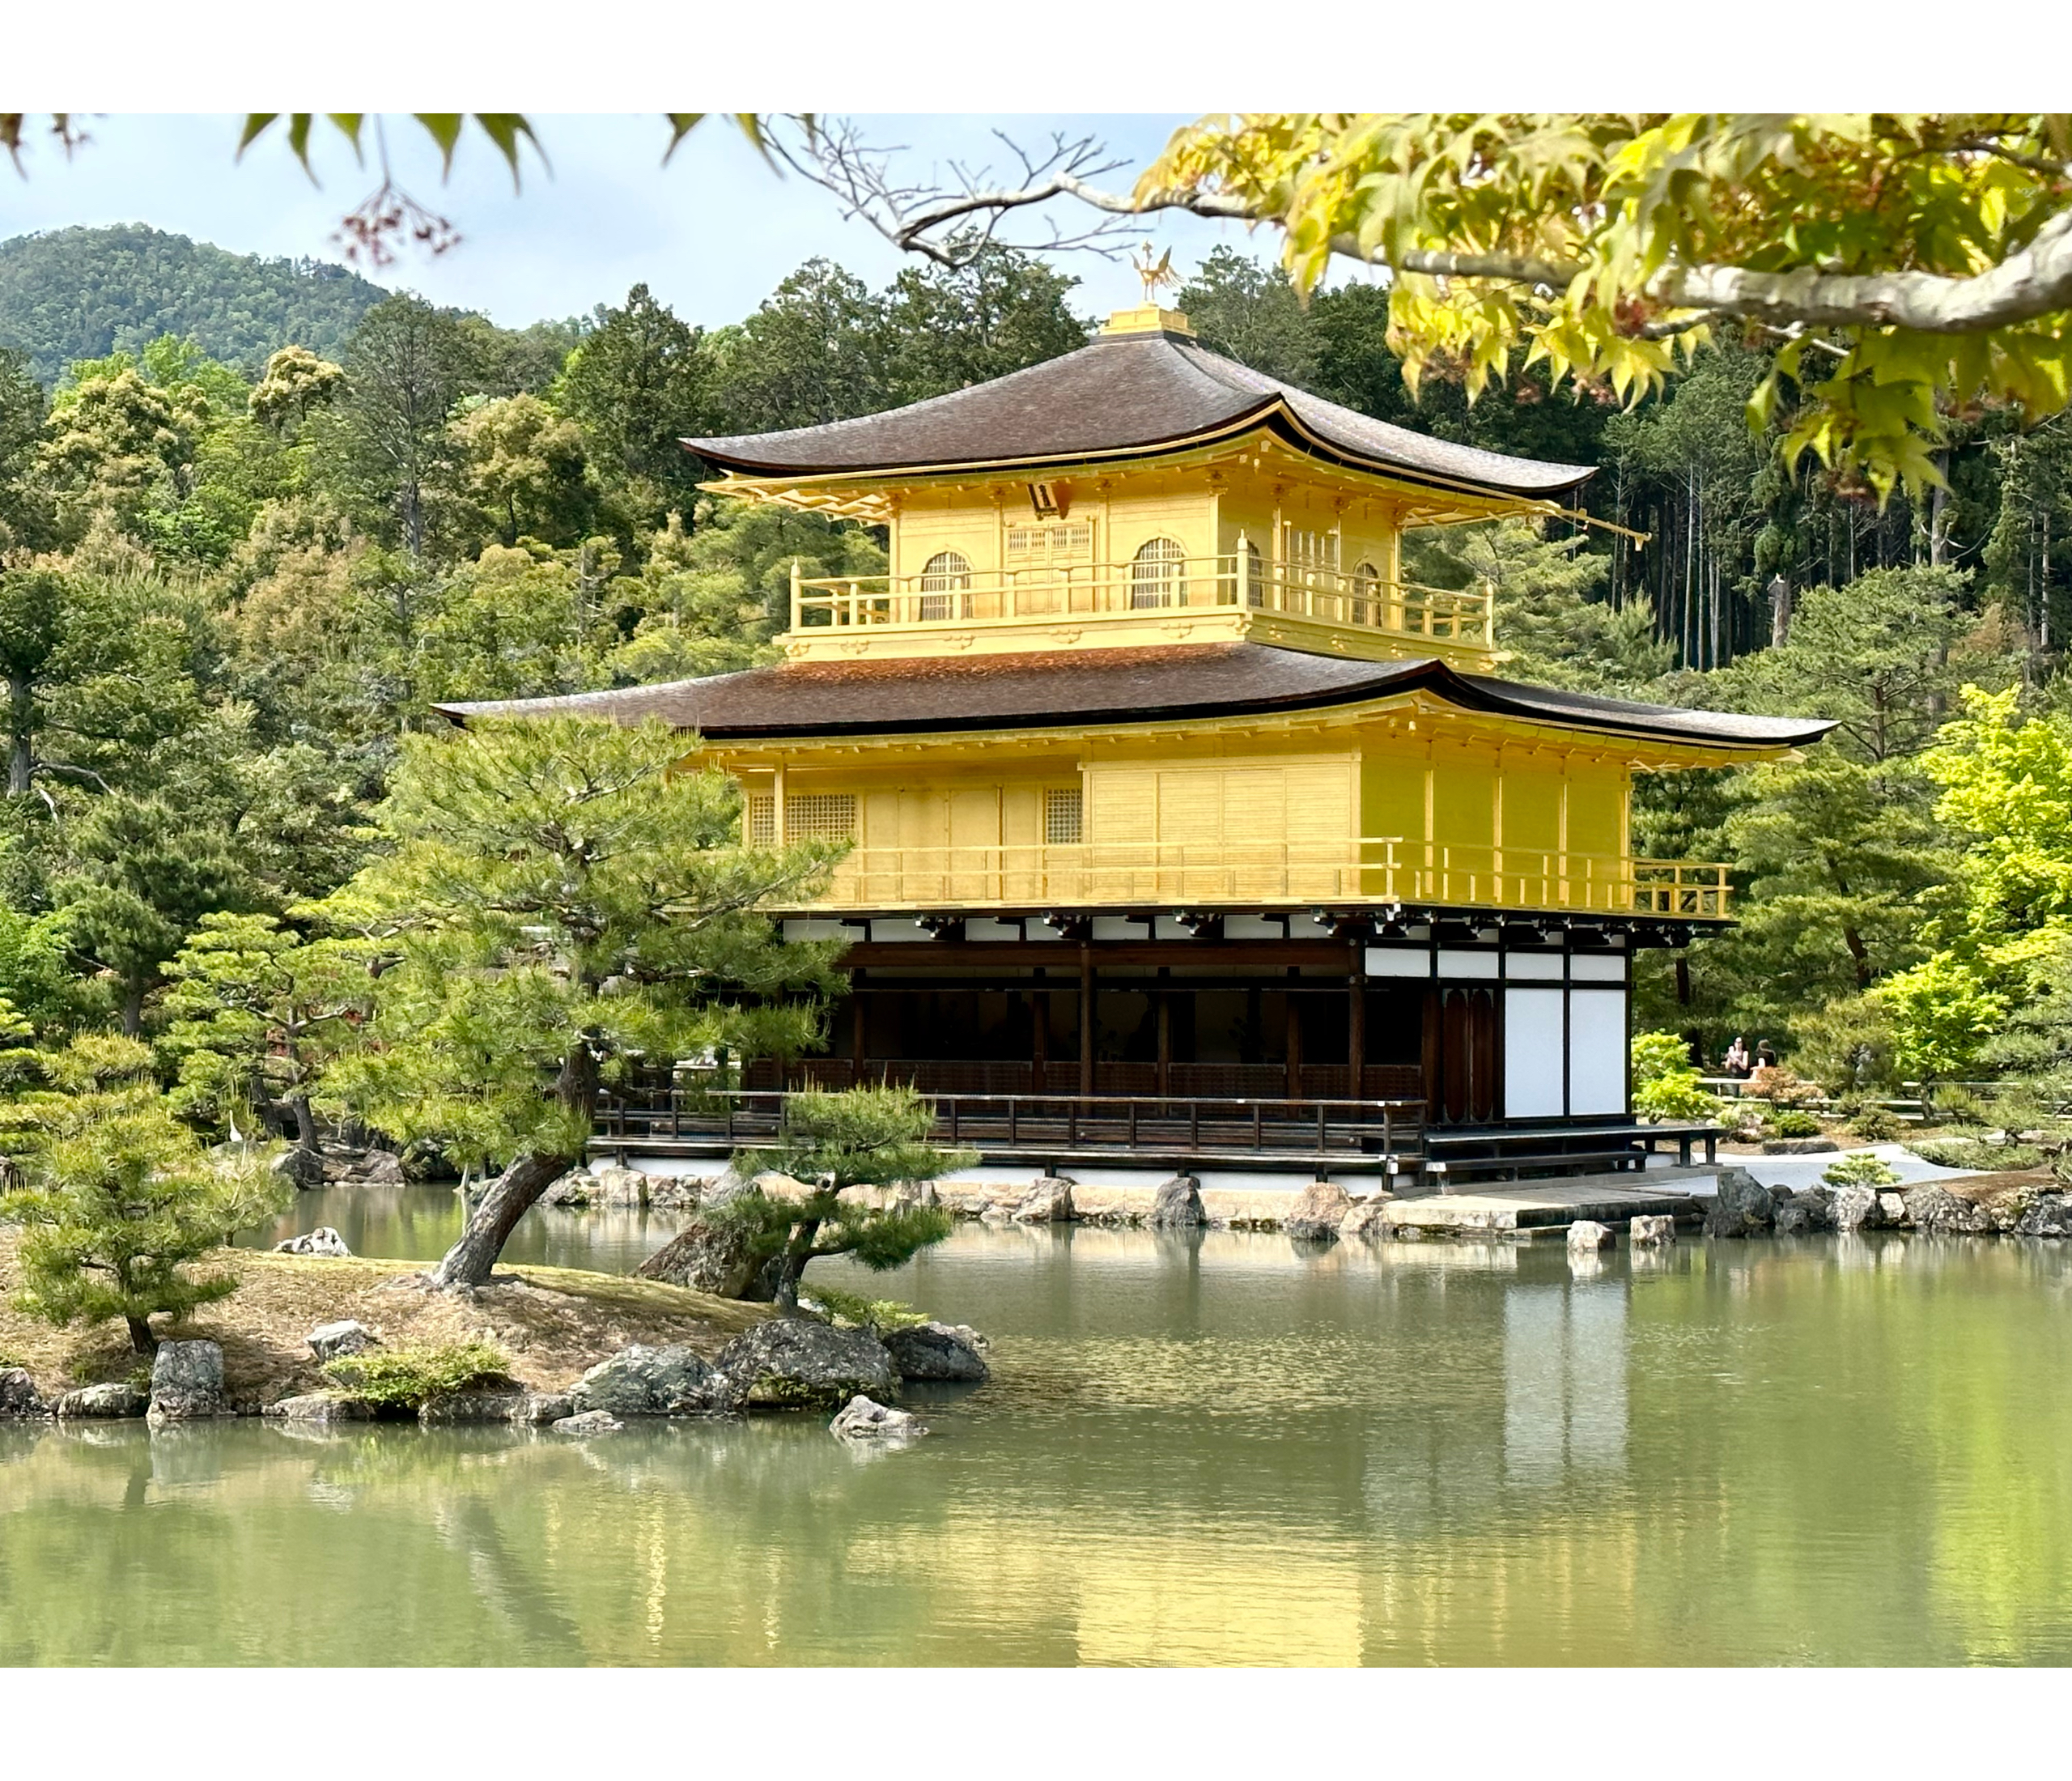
770	1392
405	1377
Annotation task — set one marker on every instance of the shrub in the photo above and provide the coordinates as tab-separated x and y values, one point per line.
1861	1170
1977	1154
1665	1080
1875	1125
1956	1107
1781	1088
1791	1123
877	1315
403	1378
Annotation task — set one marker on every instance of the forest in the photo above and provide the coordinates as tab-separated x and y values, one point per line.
246	551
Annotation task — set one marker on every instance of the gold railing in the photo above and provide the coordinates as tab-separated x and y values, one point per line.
1118	591
1141	875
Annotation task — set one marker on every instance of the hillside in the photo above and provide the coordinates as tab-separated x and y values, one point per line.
83	293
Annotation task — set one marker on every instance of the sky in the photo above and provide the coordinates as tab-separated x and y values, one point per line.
711	234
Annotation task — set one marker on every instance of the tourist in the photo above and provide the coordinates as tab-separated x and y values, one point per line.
1735	1062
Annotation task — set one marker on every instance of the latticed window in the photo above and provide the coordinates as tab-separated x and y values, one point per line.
1036	545
1305	549
1158	574
761	826
945	575
1366	594
821	816
1063	815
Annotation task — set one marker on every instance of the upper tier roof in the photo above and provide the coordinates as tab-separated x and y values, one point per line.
1069	688
1124	394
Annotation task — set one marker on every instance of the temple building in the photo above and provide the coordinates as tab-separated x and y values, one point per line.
1162	785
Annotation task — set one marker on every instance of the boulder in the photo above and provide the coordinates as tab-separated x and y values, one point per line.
1368	1219
1177	1206
2047	1215
674	1193
730	1184
119	1400
378	1169
187	1382
860	1419
1798	1146
950	1352
617	1187
543	1407
1317	1212
1934	1209
304	1168
328	1342
571	1189
1892	1207
1651	1230
587	1422
641	1381
322	1407
1858	1208
708	1255
322	1241
1586	1236
798	1363
1801	1214
455	1410
19	1396
1741	1206
1047	1201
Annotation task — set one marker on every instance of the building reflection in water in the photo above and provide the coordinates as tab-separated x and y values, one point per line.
1565	1380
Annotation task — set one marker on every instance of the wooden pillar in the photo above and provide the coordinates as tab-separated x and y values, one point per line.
1165	1041
1039	1038
856	1037
1086	1027
1294	1047
1356	1026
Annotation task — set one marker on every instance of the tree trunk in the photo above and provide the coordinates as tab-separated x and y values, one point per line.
513	1194
306	1136
133	1008
141	1337
21	759
793	1265
517	1190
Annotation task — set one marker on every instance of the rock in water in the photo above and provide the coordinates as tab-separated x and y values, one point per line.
860	1419
708	1256
304	1168
1368	1219
1047	1201
951	1352
456	1409
641	1381
1893	1206
328	1342
1934	1209
1858	1208
19	1396
187	1382
1177	1206
380	1169
1586	1236
321	1407
589	1422
322	1241
1317	1213
797	1363
119	1400
1741	1206
1802	1214
2047	1215
1651	1230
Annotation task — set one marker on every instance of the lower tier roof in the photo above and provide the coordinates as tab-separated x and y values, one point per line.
1070	688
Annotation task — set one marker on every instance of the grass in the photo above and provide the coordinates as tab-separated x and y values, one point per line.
551	1324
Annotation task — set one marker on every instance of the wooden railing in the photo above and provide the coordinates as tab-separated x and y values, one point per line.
1026	1125
1139	874
1104	591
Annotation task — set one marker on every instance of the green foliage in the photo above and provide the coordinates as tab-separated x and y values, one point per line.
121	1196
1665	1081
877	1315
834	1143
1950	1106
1977	1154
1875	1125
1860	1170
1790	1122
406	1377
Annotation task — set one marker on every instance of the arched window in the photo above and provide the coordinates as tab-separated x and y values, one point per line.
1366	594
947	574
1158	574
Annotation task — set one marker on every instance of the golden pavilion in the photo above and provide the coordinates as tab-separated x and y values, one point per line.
1179	822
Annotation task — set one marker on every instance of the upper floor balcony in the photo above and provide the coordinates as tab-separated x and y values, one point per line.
1167	598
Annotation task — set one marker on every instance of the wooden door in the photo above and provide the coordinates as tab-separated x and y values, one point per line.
1461	1054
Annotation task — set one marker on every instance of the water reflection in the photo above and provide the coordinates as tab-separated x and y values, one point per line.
1201	1449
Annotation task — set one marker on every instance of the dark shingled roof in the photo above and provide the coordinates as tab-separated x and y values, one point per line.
1060	689
1124	392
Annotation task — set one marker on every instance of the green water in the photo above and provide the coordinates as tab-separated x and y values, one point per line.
1853	1452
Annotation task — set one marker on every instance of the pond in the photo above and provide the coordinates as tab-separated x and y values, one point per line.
1841	1451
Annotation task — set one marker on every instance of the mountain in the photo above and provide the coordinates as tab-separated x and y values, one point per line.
84	293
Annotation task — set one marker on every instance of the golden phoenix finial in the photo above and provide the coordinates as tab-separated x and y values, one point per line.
1155	273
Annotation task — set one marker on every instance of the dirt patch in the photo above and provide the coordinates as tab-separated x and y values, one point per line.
553	1322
